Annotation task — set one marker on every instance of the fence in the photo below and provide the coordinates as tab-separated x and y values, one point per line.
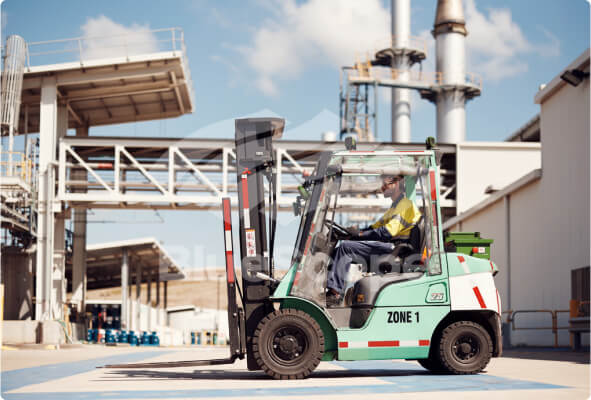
554	327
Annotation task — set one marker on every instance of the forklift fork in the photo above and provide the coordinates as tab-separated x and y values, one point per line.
236	320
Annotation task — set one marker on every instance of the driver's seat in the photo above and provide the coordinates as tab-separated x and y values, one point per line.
397	260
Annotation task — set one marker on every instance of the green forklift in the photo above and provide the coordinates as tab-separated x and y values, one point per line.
421	302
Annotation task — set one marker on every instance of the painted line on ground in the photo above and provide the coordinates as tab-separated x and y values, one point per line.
401	386
19	378
398	377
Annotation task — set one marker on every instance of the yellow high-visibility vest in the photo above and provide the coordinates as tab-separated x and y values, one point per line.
400	219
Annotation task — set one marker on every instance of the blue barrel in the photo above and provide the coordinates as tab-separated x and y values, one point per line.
198	337
91	335
132	338
145	339
154	340
192	337
110	337
123	337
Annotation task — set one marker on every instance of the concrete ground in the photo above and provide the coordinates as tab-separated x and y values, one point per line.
70	373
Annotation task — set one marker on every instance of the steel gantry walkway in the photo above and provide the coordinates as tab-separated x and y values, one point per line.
159	173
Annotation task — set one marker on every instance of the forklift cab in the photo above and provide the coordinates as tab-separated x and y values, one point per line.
348	179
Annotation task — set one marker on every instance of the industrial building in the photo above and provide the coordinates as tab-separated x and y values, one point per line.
540	222
500	189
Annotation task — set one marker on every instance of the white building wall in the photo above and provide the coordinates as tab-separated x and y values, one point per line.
549	221
480	164
565	158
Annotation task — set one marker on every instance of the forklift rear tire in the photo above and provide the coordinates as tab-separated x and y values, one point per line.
288	344
465	348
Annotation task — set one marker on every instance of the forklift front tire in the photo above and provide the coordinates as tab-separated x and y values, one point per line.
288	344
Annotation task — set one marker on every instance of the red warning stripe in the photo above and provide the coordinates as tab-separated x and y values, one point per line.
245	191
479	297
433	185
383	343
227	220
492	267
230	267
228	228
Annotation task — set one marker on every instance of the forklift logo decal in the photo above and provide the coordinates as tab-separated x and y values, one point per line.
383	343
475	288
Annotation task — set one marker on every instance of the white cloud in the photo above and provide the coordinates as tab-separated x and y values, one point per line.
317	32
496	46
106	38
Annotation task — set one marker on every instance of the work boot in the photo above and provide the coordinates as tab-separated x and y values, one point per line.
333	299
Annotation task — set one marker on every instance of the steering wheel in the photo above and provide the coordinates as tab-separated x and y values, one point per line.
339	230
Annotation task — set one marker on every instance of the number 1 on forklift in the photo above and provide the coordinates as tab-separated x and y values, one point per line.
396	317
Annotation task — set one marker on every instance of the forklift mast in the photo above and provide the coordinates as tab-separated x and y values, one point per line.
255	162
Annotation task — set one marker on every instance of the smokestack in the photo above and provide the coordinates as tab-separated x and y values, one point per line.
453	91
402	63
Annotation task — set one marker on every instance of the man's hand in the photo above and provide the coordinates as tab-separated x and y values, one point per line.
353	230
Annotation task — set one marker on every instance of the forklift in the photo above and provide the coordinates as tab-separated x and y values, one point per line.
420	303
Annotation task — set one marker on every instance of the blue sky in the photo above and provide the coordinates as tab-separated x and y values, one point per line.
284	56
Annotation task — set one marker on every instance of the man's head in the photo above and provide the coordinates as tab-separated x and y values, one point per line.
392	185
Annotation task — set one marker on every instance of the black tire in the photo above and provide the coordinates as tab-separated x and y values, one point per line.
431	364
465	348
288	344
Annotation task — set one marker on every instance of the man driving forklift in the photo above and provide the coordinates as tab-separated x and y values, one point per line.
380	238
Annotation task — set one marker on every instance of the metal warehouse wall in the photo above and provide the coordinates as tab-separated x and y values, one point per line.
549	218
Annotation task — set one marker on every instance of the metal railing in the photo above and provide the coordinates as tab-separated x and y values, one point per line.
553	324
365	70
16	164
82	49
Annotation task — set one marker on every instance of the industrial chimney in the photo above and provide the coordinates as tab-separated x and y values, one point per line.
453	89
402	63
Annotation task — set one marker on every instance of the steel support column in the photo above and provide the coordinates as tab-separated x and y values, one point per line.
124	289
79	245
165	295
138	298
58	284
149	299
158	308
47	148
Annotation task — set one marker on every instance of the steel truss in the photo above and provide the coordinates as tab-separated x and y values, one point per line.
148	173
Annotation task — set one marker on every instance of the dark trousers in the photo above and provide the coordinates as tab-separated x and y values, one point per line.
358	252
